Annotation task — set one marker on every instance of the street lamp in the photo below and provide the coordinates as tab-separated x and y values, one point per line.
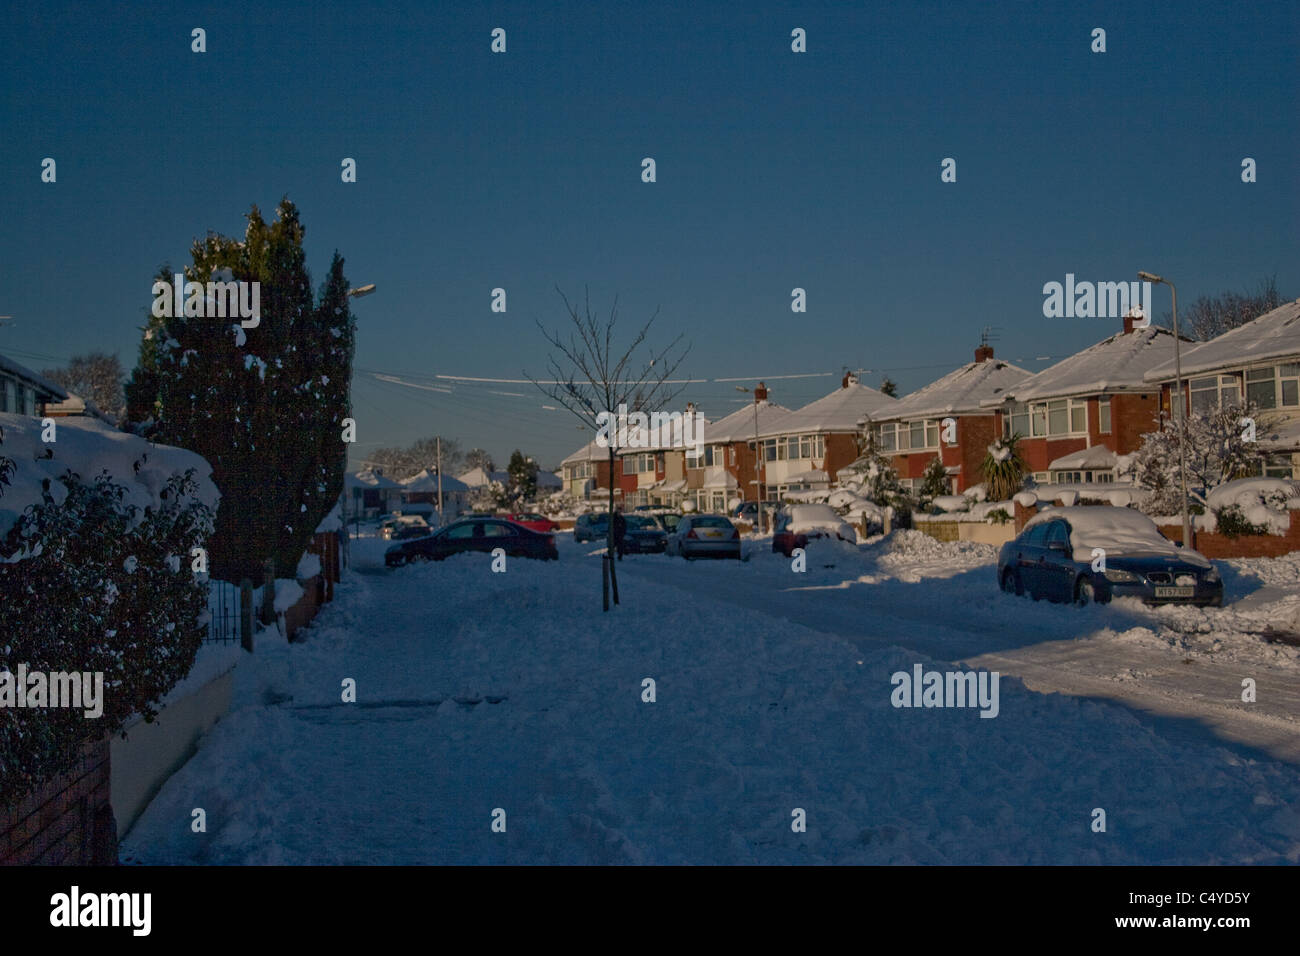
1180	413
758	450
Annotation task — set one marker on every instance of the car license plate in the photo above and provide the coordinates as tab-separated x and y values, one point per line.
1174	592
712	534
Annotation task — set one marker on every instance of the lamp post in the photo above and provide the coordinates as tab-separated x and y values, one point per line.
1179	411
352	294
758	450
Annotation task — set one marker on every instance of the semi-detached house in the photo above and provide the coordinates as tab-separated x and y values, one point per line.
911	432
23	392
1076	417
1258	362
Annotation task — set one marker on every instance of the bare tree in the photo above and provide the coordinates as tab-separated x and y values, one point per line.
1213	315
591	374
97	377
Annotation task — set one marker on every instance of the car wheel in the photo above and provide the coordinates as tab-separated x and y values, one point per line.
1011	583
1084	593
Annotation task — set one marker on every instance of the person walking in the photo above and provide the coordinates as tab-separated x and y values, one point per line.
620	534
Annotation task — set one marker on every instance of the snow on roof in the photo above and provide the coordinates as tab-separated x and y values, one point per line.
961	390
426	481
368	478
1116	530
1098	456
739	425
88	447
1273	335
840	411
1116	364
41	383
719	478
808	477
477	477
588	452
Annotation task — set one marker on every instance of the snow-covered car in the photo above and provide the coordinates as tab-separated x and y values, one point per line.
704	536
1055	555
796	525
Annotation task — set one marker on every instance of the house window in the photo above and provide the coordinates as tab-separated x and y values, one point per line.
1103	416
1038	420
1016	421
629	465
886	438
7	402
1261	387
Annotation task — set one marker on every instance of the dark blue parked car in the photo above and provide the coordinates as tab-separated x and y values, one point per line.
644	535
1055	556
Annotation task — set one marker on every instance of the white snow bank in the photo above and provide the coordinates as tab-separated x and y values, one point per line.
951	502
287	593
1026	499
88	447
1263	501
308	567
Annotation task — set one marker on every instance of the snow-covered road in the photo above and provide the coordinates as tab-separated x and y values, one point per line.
479	691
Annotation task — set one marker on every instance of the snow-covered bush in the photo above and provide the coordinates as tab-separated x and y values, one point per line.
1254	506
1217	452
90	582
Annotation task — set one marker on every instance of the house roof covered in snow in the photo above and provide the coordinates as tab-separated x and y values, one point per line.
588	452
428	481
478	477
39	382
1116	364
960	391
840	411
1273	335
739	425
1098	456
368	478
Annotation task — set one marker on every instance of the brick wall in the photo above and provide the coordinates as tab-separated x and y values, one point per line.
1245	546
68	821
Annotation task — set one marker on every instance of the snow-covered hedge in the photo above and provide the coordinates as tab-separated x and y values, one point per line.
95	576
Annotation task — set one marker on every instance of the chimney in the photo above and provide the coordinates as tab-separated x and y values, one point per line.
848	379
760	393
1130	317
983	353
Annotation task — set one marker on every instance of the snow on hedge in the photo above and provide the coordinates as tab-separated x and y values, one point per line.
88	447
1263	501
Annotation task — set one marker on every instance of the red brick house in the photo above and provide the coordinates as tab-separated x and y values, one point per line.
1258	362
725	468
913	432
1096	399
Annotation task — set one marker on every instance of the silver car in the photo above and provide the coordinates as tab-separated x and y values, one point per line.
704	536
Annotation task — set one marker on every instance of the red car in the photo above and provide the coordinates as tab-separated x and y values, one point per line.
534	521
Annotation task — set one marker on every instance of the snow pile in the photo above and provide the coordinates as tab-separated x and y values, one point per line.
1026	499
89	447
308	567
951	503
1262	501
287	593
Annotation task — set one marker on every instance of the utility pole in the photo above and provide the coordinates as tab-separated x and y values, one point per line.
1180	413
440	479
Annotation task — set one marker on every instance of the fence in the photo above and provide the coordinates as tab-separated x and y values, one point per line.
230	613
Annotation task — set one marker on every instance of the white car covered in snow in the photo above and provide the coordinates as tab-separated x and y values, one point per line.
796	525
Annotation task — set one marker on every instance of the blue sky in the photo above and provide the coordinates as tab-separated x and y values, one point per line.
775	170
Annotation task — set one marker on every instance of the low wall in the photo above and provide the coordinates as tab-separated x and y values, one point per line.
66	822
152	752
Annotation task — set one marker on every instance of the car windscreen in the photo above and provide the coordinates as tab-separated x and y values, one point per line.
710	522
637	523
